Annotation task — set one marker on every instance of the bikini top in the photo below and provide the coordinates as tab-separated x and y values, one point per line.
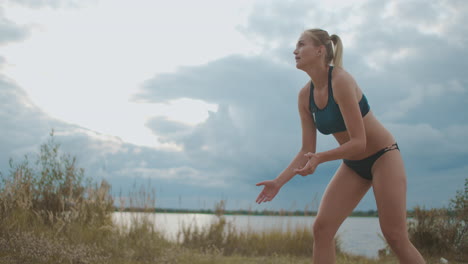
329	120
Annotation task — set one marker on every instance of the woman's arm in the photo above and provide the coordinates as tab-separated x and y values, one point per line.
309	137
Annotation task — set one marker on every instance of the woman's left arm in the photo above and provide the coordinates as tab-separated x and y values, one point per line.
345	94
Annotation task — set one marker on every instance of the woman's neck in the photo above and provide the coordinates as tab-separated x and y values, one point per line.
319	75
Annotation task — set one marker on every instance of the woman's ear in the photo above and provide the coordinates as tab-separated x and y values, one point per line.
320	50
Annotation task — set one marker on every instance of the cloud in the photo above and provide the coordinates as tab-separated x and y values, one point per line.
388	41
258	106
408	65
10	31
53	3
167	128
23	125
440	19
398	62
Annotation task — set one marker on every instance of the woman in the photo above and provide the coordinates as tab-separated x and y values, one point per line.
333	103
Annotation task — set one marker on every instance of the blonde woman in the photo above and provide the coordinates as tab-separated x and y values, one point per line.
333	103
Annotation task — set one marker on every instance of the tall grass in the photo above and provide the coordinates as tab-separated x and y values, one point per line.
48	212
53	193
51	213
223	236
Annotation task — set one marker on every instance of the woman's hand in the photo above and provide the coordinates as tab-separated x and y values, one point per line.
311	165
270	189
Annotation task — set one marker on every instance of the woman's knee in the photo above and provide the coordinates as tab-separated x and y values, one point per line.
396	238
323	229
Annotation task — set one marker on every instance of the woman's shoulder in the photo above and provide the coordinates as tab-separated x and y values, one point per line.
305	90
343	83
340	75
304	94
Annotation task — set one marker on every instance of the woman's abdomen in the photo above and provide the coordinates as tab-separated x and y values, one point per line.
377	136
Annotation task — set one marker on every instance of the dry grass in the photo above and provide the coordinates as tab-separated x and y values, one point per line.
49	213
222	235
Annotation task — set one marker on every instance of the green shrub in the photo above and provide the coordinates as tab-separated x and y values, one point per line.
443	232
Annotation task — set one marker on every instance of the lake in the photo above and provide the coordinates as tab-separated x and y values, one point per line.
358	235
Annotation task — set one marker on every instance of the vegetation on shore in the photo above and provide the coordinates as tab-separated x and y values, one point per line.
369	213
51	213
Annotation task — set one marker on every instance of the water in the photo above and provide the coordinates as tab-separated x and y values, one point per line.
358	235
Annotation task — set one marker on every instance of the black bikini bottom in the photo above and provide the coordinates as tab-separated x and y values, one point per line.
363	167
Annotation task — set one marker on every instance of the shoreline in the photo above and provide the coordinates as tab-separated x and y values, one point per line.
370	213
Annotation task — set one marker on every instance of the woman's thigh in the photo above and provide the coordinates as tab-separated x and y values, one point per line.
342	195
389	184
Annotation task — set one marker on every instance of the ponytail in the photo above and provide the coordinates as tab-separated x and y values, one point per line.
333	45
337	51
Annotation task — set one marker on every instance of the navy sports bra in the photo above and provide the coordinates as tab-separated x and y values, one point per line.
329	120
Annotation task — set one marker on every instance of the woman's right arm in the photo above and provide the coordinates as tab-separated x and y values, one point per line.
309	137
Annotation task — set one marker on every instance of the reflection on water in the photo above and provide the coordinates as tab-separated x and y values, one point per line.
358	235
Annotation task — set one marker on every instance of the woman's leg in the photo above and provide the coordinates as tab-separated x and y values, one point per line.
342	195
389	184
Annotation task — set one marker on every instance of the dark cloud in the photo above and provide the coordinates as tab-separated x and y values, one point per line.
231	80
23	124
20	113
255	96
164	127
25	127
10	31
257	101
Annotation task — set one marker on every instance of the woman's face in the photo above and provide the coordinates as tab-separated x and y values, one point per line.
306	53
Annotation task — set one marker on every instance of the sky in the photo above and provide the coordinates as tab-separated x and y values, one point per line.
198	99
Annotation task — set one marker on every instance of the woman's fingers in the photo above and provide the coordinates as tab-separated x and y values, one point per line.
260	197
263	197
304	171
301	171
258	200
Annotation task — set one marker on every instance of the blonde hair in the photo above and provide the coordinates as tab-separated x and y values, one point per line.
333	45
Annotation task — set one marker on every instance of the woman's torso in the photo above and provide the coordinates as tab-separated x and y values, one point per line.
377	136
